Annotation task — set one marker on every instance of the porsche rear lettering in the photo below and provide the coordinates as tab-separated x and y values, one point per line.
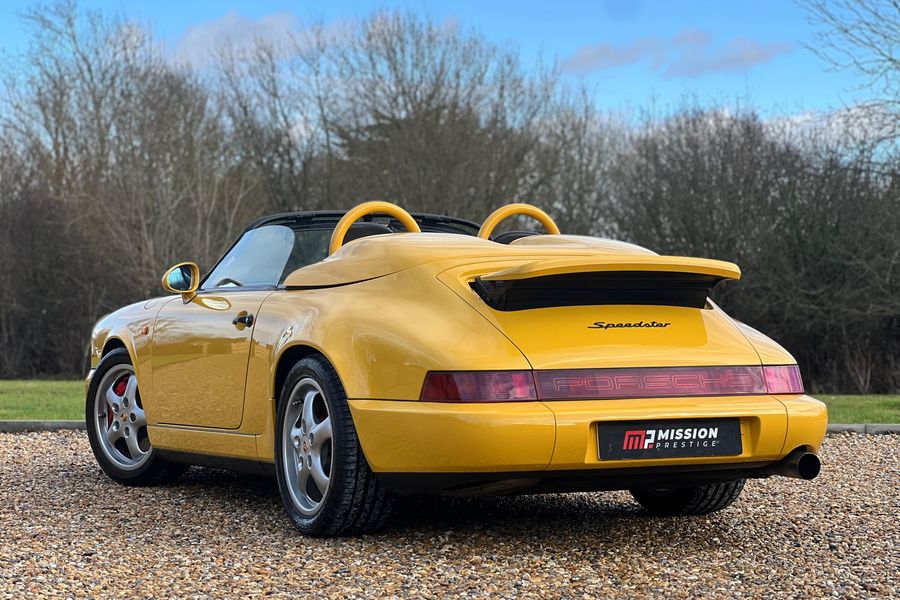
681	382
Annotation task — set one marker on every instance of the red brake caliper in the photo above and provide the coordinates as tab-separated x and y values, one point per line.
118	390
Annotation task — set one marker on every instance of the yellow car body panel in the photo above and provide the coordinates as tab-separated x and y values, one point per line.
386	310
362	259
692	337
453	438
198	337
430	330
209	442
807	422
563	266
562	435
129	328
763	427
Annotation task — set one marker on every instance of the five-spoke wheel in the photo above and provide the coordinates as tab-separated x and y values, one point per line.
307	446
326	484
120	421
117	425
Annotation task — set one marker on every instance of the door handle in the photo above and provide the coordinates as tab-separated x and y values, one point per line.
245	319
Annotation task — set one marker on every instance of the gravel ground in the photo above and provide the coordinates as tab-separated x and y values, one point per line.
66	530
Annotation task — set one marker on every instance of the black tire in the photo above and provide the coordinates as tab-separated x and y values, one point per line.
355	502
153	470
698	500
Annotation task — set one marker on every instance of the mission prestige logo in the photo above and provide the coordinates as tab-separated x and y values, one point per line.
669	438
660	439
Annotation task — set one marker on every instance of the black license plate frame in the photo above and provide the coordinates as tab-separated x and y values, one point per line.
669	438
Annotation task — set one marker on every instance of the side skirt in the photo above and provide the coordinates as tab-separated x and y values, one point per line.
242	465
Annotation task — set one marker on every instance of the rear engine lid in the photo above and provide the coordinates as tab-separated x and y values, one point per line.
608	311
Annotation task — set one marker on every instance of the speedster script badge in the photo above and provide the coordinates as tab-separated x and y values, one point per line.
605	325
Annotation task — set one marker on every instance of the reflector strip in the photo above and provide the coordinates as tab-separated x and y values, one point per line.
610	384
652	382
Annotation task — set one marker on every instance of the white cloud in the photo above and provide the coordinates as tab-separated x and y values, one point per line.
199	43
622	10
689	53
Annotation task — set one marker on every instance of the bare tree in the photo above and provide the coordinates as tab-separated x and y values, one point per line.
277	103
436	118
864	36
115	163
813	228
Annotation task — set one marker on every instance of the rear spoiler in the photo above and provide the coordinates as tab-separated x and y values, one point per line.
636	262
614	279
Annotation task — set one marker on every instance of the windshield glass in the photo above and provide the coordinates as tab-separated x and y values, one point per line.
265	256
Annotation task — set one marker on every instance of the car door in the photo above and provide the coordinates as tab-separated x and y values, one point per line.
201	347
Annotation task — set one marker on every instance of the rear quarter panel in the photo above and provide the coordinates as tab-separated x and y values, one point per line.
382	336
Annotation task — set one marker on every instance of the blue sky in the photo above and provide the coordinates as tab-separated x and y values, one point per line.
630	53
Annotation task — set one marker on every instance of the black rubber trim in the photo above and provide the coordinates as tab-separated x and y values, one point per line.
646	288
520	482
325	219
329	286
243	465
577	480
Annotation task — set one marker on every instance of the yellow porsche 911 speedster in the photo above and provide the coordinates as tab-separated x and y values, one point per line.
364	355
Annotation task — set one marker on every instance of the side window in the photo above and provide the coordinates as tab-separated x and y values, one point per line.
310	246
258	259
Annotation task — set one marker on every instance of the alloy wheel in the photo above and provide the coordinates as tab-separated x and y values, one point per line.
120	423
307	448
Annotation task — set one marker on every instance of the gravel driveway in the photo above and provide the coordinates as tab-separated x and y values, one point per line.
65	529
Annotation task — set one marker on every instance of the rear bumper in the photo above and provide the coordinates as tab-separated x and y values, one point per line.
424	446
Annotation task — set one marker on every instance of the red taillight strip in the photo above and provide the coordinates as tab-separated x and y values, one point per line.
479	386
610	384
783	379
649	382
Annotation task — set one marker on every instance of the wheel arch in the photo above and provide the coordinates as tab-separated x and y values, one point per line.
116	338
112	343
115	341
290	356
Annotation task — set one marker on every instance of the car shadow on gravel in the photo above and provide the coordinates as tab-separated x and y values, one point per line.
560	525
514	518
204	496
516	514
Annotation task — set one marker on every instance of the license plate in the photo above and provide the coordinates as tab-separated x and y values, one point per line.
624	440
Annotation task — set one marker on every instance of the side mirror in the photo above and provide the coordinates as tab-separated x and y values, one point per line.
183	278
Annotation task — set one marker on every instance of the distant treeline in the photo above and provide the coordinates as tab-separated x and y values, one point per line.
116	162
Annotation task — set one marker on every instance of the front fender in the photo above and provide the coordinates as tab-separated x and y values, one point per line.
132	327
